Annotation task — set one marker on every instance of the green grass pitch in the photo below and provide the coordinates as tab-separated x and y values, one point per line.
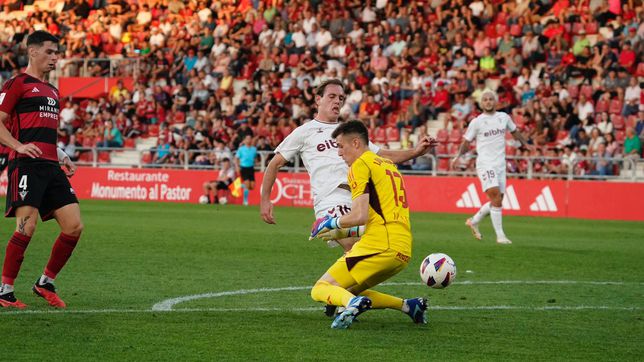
565	290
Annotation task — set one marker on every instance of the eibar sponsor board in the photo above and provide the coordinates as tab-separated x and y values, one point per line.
552	198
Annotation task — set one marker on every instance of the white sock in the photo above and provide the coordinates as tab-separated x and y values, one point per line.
6	288
496	214
45	279
405	307
483	212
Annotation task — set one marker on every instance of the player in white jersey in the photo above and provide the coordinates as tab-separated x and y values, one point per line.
488	129
312	141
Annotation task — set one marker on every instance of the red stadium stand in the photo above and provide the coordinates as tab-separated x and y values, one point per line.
380	135
146	157
442	136
393	135
103	157
592	28
587	91
620	136
618	122
615	106
455	136
601	106
573	90
153	130
443	164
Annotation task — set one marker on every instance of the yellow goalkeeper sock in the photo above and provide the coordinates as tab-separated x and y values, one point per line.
382	300
327	293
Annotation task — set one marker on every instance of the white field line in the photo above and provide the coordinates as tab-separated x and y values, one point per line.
307	309
168	304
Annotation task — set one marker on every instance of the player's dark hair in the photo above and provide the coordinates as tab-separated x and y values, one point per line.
38	37
322	87
352	127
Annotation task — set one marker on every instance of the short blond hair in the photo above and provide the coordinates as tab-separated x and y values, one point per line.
488	91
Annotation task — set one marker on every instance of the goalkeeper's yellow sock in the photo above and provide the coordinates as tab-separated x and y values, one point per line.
328	293
382	300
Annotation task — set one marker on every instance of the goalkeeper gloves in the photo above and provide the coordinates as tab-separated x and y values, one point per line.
323	224
337	234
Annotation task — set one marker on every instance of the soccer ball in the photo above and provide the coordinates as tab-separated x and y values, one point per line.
438	270
223	200
203	199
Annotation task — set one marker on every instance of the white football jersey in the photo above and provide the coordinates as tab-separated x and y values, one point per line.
312	141
489	132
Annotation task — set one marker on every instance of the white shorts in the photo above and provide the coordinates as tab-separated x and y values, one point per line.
492	177
337	203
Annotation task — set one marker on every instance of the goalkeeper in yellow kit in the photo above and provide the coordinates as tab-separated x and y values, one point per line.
379	201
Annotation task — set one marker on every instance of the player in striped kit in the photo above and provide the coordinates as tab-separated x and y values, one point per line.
488	129
37	184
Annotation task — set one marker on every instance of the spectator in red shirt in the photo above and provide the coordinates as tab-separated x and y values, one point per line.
627	57
441	98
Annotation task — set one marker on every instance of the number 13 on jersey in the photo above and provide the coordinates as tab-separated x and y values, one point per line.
400	195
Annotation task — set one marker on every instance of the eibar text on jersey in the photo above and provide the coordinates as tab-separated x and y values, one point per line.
494	132
327	145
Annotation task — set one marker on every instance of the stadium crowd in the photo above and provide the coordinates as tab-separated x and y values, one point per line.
212	72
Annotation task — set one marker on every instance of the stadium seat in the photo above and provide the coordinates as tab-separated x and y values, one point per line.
390	119
103	157
379	135
519	120
443	164
88	142
577	28
293	60
455	136
510	151
616	106
501	29
601	106
640	70
515	30
587	91
85	157
392	134
442	136
153	130
453	148
620	136
561	135
618	122
573	90
592	28
146	157
129	143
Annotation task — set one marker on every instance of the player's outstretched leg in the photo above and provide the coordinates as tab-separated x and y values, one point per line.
416	309
357	305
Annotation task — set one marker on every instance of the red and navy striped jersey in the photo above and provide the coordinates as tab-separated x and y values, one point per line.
33	109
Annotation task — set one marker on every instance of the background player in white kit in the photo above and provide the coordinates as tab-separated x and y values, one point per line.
489	131
312	141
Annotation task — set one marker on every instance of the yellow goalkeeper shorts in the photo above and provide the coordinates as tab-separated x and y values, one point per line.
367	267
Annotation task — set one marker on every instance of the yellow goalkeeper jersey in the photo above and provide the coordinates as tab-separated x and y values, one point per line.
388	226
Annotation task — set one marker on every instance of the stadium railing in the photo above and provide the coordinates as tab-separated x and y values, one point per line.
112	67
103	157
